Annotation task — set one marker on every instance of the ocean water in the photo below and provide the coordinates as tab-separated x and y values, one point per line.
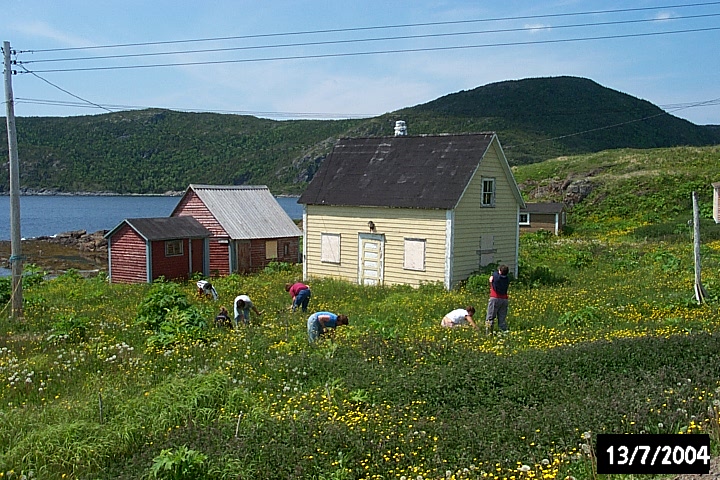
42	215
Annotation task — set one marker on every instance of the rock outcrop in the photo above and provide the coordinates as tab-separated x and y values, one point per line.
82	240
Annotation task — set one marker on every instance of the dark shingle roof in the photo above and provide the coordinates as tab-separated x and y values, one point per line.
164	228
405	171
543	207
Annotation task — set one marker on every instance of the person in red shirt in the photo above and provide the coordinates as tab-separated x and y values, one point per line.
300	294
498	303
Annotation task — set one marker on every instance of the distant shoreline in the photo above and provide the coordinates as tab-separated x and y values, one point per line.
41	193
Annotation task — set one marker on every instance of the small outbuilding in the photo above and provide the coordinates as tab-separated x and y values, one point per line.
410	210
248	227
543	216
141	250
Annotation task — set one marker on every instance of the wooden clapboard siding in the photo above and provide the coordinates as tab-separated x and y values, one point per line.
472	221
172	268
191	205
128	262
542	221
396	224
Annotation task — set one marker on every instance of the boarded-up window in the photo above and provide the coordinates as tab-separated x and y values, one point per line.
330	247
271	249
414	254
173	248
487	250
488	192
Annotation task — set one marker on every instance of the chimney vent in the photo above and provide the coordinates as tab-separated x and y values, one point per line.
400	128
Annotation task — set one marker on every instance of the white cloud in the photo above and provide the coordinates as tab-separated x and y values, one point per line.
43	31
533	28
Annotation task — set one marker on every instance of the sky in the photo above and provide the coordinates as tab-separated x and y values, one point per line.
350	59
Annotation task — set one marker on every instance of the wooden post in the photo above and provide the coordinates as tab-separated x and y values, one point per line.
15	247
700	293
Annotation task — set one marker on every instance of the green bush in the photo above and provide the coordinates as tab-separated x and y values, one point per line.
181	464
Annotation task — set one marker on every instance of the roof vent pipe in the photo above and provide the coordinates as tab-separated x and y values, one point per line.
400	128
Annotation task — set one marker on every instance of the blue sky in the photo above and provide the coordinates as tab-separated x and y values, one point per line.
334	74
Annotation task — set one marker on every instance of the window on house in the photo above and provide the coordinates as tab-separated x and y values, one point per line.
286	249
173	248
271	249
488	192
524	219
330	247
414	254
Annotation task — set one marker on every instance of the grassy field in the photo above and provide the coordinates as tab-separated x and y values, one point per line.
126	382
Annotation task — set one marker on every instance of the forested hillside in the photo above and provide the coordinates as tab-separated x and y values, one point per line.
154	151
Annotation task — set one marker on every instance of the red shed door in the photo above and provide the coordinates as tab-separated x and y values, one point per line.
244	262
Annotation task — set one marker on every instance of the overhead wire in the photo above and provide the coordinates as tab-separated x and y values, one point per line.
377	52
366	40
377	27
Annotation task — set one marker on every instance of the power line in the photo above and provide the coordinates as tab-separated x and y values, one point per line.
379	27
366	40
320	115
607	127
63	90
380	52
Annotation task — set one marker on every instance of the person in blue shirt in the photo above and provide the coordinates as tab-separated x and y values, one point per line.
319	322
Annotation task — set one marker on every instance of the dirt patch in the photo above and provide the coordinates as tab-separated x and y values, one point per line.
53	257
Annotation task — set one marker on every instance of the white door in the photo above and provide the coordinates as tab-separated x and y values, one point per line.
371	253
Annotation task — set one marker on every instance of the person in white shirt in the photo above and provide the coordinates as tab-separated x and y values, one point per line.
242	306
460	317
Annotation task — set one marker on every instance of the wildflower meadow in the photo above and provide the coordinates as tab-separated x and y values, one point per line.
109	381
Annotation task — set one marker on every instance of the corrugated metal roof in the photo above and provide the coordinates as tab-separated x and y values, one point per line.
427	171
247	211
548	207
164	228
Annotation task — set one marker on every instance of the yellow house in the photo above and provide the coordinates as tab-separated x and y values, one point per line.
411	210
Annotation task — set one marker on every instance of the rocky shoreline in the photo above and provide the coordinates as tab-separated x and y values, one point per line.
77	250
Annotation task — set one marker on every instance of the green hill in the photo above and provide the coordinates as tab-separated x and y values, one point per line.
153	151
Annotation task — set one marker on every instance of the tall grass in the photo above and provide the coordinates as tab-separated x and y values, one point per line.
618	346
108	381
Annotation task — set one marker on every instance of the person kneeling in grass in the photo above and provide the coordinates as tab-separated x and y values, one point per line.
319	322
459	317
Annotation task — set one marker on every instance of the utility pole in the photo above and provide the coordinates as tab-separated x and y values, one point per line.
15	247
700	292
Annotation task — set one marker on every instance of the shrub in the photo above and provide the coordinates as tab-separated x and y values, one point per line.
167	311
70	327
275	267
181	464
163	297
539	276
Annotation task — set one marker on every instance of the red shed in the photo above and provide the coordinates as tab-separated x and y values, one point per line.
142	249
249	227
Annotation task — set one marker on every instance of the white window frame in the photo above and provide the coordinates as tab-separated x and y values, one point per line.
527	219
487	182
330	248
413	248
173	248
271	249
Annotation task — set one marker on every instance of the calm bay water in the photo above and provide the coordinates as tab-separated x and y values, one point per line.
42	215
